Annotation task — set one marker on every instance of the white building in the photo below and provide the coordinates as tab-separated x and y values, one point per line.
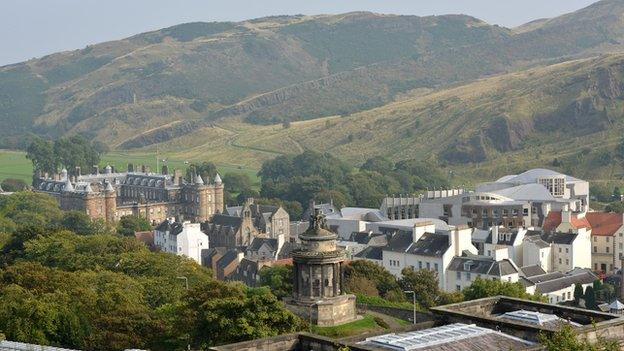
558	251
181	238
507	239
426	248
352	220
463	271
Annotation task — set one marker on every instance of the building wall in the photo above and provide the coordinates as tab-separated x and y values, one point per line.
460	280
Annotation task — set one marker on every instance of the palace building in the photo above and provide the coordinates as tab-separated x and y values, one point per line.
109	195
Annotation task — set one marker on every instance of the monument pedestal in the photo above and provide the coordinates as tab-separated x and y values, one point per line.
327	312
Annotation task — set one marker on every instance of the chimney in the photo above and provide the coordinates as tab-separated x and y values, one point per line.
78	171
177	177
130	167
165	170
421	228
495	235
566	216
95	170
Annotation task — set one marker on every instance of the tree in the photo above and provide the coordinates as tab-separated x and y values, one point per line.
590	298
481	288
207	170
279	279
615	207
130	224
361	285
13	185
566	339
384	281
80	223
378	164
424	283
236	182
221	313
578	293
41	153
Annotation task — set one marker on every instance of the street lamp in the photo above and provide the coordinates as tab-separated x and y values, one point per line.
186	283
414	302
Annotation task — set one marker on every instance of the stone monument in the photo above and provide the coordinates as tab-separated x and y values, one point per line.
318	278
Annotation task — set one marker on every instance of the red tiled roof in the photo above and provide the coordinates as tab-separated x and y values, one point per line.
604	224
553	220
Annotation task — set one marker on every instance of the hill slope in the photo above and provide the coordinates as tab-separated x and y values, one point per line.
158	86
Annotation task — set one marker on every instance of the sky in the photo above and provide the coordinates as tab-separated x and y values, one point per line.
33	28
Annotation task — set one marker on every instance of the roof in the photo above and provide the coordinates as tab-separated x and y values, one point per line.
616	305
553	220
556	281
174	228
542	239
452	337
371	253
530	271
532	175
604	224
430	244
438	223
257	243
368	238
225	220
504	241
19	346
400	242
482	265
363	214
535	318
526	192
229	257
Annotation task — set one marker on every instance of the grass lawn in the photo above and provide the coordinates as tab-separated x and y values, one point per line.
13	164
366	324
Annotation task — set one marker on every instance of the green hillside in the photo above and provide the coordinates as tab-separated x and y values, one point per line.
355	84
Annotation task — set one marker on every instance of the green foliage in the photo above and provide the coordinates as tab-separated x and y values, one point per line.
109	292
279	279
80	223
13	185
71	152
482	288
380	301
385	282
566	339
129	224
363	325
236	182
424	283
207	170
578	293
616	206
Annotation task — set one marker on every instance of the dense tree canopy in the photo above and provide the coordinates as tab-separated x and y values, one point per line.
71	152
322	177
481	288
68	282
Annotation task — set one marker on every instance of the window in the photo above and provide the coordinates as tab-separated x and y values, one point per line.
620	246
607	238
595	238
567	250
595	248
458	287
489	253
509	279
559	261
559	250
569	295
607	249
525	211
419	264
458	277
505	213
428	265
567	261
468	276
435	265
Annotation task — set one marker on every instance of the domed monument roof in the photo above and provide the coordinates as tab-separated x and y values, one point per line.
318	228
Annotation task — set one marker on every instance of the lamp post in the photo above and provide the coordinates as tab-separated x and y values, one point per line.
186	282
414	302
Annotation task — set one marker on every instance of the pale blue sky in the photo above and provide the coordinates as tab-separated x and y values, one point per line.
32	28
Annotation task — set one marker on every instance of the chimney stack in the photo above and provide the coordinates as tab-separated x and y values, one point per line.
165	170
495	235
95	170
78	171
177	177
130	167
143	169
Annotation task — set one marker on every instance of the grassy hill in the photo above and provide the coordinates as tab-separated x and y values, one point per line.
479	98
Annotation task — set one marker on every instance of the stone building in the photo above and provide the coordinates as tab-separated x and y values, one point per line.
271	220
110	195
318	280
230	231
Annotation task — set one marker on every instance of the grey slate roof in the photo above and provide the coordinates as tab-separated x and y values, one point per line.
225	220
530	271
482	265
550	282
400	242
228	258
174	228
257	243
430	244
512	237
371	253
367	238
546	238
